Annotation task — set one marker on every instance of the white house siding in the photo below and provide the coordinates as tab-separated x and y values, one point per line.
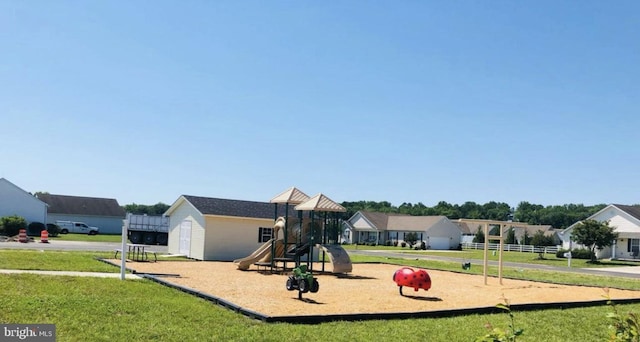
229	238
444	229
107	225
360	223
363	230
626	227
15	201
185	211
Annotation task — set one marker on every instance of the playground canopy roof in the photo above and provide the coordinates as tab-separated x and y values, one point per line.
292	196
320	202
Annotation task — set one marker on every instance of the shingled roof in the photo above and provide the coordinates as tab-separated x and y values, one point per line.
633	210
75	205
378	220
229	207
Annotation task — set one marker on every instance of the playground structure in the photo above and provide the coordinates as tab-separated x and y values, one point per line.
409	277
310	233
262	255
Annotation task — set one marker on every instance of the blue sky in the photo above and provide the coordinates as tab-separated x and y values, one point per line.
414	101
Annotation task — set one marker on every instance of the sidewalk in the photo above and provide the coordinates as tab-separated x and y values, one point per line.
75	274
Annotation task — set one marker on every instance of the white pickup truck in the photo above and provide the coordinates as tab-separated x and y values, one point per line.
76	227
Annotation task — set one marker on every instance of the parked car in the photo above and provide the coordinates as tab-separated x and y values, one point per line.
76	227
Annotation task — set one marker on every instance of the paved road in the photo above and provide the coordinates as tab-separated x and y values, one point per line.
626	272
73	246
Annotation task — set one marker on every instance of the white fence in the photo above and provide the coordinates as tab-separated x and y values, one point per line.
512	248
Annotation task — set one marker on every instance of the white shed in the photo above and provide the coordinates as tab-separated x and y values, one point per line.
15	201
205	228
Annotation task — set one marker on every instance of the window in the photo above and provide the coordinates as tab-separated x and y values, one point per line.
264	234
633	246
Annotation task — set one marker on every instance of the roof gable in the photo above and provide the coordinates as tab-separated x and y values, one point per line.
291	196
75	205
7	184
320	202
633	210
377	220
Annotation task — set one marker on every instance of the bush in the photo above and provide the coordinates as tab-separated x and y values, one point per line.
11	225
395	243
54	229
577	253
403	244
34	228
387	243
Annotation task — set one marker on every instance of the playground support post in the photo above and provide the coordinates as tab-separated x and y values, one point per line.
488	237
485	263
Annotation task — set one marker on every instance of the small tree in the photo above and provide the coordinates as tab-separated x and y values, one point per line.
411	238
594	234
479	237
526	239
11	225
539	239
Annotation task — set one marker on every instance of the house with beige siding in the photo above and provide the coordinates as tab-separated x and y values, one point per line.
438	232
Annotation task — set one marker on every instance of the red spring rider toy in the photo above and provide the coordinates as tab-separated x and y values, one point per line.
406	276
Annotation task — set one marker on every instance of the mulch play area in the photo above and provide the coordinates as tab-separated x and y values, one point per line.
367	293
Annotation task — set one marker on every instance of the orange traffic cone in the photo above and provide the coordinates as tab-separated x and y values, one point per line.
44	236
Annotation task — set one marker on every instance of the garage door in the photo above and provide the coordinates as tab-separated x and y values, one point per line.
439	243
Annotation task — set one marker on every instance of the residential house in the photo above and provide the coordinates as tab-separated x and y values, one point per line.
104	213
438	232
625	219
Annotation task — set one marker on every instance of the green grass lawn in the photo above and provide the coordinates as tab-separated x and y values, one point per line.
96	309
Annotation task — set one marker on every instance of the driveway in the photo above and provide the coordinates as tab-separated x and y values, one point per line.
72	246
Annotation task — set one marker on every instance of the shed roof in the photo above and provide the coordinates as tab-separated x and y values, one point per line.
76	205
292	196
320	202
229	207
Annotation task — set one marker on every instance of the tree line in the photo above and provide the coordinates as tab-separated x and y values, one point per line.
558	216
140	209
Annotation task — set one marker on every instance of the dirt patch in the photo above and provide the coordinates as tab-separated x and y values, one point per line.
368	289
